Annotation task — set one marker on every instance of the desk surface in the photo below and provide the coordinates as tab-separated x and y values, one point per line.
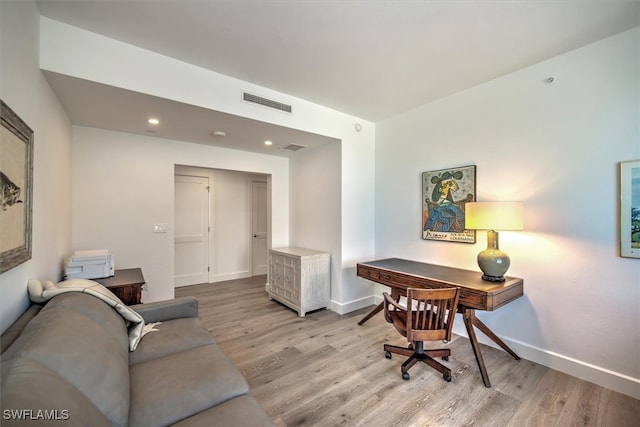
125	277
475	292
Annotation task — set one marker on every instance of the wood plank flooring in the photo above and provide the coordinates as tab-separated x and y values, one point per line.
325	370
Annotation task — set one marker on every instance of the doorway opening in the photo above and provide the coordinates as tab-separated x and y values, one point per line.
221	225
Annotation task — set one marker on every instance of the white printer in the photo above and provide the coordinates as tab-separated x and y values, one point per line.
91	264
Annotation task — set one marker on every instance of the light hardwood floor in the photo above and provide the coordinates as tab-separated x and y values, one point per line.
325	370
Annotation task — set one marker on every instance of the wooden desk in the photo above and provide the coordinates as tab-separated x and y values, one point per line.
125	284
475	293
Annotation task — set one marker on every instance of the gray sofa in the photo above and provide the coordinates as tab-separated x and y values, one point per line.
68	363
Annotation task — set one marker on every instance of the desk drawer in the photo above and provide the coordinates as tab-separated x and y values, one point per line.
394	279
387	278
470	299
368	273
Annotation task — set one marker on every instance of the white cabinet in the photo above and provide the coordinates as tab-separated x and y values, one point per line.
299	278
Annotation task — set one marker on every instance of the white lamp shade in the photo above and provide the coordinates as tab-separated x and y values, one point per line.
493	216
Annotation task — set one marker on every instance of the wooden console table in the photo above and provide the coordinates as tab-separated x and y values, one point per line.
125	284
475	293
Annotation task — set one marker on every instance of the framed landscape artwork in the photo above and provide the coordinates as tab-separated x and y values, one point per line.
444	194
630	209
16	187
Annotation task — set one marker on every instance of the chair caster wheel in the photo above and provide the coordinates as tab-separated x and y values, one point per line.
410	346
445	358
447	378
387	355
405	376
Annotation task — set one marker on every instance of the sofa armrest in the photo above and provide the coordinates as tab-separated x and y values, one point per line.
167	310
13	332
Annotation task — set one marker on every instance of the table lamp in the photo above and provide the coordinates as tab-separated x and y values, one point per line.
493	216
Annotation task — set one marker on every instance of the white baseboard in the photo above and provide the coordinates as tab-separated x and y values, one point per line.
616	381
354	305
230	276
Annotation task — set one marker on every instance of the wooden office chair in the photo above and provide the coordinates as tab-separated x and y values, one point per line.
428	316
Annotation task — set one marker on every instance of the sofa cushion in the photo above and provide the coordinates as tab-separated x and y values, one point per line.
33	394
83	341
171	337
242	411
172	388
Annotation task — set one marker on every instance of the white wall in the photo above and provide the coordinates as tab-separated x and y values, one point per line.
123	183
557	148
232	216
25	90
316	204
75	52
358	216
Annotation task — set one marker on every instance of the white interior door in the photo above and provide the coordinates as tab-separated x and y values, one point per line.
259	228
191	230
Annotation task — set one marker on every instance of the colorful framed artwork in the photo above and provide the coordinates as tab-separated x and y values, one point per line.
630	209
16	188
444	195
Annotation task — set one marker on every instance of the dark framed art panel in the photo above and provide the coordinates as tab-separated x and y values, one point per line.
444	195
630	209
16	188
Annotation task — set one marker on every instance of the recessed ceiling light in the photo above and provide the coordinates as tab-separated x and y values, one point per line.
153	121
267	142
219	133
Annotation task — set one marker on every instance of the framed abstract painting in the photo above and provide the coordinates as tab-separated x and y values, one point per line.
630	209
444	195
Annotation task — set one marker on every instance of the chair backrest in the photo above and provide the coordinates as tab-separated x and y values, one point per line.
430	313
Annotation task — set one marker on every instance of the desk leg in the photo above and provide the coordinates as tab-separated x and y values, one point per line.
470	320
488	332
372	313
469	315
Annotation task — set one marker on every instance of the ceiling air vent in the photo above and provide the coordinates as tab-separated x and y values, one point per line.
294	147
266	102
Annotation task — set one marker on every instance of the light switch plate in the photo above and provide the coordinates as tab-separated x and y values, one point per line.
160	227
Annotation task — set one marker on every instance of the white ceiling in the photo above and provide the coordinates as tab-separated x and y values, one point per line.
372	59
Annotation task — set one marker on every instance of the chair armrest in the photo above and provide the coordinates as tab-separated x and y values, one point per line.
167	310
394	303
